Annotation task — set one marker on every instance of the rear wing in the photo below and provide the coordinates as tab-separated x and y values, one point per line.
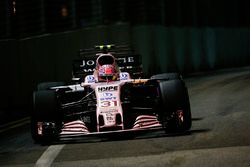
125	57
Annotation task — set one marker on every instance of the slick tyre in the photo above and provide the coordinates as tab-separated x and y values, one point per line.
45	119
166	76
176	115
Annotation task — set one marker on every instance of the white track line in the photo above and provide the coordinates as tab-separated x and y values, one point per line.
49	156
14	124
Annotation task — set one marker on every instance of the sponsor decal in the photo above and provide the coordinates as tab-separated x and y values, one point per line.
87	63
90	78
106	94
109	114
107	88
109	111
88	70
91	63
88	66
124	76
126	59
107	98
110	118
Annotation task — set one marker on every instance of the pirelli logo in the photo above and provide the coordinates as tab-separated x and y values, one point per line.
107	88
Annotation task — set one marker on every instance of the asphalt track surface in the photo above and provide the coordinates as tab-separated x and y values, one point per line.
220	134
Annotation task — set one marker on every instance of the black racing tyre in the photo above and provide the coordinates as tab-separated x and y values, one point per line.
166	76
46	112
47	85
176	115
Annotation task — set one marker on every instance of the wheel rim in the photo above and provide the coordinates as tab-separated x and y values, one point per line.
180	117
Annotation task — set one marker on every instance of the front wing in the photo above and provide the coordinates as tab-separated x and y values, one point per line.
78	128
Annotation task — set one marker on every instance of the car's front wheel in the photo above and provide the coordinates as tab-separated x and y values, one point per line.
45	118
166	76
175	114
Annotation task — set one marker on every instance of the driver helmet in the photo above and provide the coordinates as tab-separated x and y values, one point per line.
107	69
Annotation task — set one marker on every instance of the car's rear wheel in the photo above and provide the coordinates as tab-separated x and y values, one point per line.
45	119
176	114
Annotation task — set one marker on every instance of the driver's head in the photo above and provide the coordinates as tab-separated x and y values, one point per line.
106	68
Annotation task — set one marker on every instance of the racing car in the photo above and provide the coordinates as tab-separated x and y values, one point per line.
107	94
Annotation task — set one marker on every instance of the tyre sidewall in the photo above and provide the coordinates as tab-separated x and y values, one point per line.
174	97
166	76
45	109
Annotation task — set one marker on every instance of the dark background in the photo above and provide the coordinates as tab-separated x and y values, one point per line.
40	38
22	18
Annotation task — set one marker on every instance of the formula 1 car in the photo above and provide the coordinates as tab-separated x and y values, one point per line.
106	97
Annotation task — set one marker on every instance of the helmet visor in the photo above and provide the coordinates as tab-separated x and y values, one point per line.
105	59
